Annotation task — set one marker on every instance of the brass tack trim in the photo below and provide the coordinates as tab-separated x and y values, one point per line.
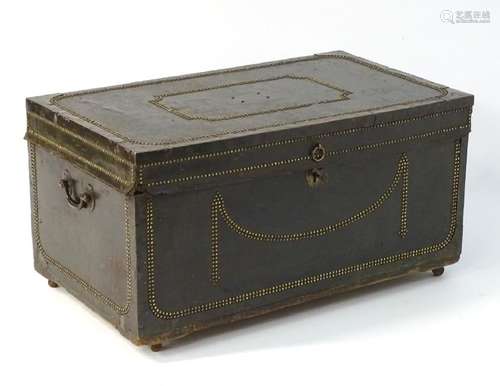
388	71
294	160
442	91
157	100
403	230
80	138
290	141
120	309
71	154
226	172
305	281
216	209
128	181
219	211
262	146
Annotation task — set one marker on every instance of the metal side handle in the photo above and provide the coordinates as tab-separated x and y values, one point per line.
75	200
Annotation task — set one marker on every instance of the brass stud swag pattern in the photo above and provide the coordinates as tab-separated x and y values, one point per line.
219	211
305	281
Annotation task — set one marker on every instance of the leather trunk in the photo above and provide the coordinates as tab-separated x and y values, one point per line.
173	205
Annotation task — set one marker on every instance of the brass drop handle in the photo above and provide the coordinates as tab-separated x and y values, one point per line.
75	200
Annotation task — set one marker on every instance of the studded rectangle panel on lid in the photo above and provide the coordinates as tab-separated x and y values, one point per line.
172	205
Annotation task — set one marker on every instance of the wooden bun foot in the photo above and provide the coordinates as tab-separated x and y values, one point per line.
438	271
53	284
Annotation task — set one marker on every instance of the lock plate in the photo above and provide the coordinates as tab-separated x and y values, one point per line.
316	177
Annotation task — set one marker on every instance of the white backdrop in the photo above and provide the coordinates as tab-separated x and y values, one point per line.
413	331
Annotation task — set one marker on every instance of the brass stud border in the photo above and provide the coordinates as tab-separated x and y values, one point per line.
294	160
129	180
344	132
71	154
56	100
403	223
120	309
156	101
308	280
82	139
219	211
352	131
